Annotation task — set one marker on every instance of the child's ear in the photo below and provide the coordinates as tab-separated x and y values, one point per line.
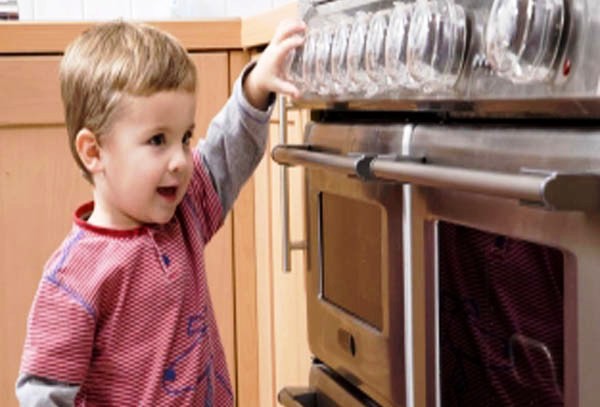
89	150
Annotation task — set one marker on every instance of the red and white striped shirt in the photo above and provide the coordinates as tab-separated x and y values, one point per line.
127	315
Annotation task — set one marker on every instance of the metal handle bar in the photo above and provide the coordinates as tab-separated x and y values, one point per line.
287	245
550	189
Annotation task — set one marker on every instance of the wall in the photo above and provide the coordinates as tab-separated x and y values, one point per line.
77	10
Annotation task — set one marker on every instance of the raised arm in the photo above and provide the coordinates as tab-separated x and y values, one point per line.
236	137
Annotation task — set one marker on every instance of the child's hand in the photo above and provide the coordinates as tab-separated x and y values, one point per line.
267	75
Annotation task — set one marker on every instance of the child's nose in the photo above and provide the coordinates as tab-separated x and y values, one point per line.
178	160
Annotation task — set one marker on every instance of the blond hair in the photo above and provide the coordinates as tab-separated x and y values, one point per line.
114	59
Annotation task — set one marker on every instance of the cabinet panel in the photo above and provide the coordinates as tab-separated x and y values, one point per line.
40	187
213	91
281	296
245	266
292	356
30	91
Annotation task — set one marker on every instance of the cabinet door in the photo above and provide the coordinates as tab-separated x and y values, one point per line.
284	358
246	312
40	186
292	355
213	91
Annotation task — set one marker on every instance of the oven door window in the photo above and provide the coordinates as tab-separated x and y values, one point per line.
351	256
500	320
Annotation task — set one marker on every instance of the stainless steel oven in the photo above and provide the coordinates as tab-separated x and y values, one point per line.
453	195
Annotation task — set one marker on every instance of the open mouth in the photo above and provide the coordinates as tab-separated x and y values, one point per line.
167	192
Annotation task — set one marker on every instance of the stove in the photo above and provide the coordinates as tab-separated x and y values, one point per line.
453	201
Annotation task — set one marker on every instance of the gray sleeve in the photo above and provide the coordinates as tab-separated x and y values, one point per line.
34	391
235	143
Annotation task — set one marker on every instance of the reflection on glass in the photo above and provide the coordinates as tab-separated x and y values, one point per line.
323	84
395	47
293	68
410	46
352	268
523	37
436	44
357	74
501	307
375	52
339	56
309	60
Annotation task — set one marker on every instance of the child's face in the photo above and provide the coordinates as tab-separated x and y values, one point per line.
147	159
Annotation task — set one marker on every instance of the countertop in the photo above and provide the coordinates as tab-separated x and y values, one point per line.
23	38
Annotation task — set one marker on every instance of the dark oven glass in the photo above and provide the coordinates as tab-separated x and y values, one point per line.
351	272
500	320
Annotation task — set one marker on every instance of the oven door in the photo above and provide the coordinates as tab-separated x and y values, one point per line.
510	288
355	279
493	300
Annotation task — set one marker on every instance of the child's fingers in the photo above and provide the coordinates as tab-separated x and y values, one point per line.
287	45
288	28
286	88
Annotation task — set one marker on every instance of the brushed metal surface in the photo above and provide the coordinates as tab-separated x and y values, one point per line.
380	368
573	91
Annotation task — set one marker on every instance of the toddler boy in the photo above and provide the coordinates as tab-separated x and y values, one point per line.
122	315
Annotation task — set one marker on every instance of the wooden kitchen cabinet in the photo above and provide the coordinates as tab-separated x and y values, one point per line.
291	356
39	189
41	186
281	295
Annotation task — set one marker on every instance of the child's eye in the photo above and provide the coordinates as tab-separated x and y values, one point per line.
157	139
187	138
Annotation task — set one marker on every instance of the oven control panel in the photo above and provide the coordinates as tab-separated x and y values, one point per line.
433	51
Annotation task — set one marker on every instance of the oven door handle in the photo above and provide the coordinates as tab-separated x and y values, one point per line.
551	190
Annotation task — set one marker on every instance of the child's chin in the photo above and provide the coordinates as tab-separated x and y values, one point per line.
162	219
